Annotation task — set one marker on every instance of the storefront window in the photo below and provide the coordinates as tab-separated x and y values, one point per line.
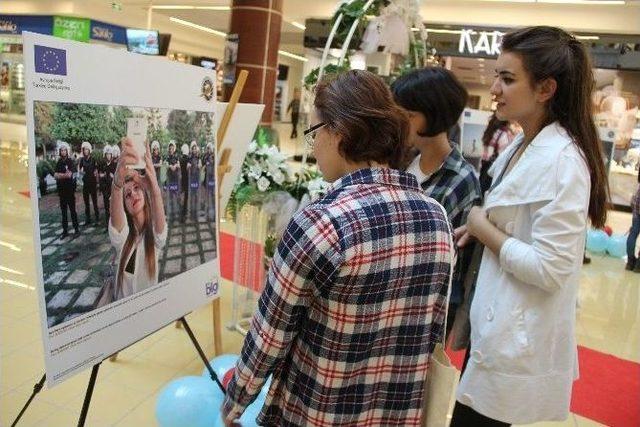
11	77
616	101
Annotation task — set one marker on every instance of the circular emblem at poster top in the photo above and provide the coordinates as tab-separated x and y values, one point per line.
208	89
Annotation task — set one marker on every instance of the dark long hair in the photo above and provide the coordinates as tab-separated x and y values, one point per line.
549	52
132	237
492	127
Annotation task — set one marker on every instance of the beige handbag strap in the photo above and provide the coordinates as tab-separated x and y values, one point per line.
452	260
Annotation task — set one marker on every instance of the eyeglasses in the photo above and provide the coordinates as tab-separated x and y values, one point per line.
310	134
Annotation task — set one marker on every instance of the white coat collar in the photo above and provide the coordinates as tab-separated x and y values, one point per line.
533	178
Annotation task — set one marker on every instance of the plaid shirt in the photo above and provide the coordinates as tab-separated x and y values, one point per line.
353	305
456	187
635	202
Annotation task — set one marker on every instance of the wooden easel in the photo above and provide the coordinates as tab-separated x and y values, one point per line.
223	168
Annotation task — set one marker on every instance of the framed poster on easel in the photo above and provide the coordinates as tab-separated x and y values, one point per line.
107	279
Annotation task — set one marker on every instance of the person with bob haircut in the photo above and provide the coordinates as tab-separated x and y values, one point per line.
546	186
355	298
434	100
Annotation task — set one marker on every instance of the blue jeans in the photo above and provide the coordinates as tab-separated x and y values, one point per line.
633	236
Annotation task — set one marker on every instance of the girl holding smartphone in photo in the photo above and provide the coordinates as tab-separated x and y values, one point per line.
137	228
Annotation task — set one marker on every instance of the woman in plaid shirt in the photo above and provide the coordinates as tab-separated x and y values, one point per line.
355	299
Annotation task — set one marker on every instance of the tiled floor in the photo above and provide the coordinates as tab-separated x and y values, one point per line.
126	389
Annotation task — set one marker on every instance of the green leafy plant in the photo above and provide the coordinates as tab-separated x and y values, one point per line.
311	79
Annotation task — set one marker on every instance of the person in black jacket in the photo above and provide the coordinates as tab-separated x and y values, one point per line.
87	166
173	180
106	171
66	185
184	161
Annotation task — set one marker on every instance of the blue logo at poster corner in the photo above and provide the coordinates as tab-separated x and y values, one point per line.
50	60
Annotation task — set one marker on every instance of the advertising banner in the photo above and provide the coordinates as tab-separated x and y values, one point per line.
125	223
71	28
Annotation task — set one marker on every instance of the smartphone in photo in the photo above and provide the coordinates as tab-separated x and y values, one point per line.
137	133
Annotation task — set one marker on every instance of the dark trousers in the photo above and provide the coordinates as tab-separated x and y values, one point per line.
68	201
90	190
464	416
185	201
106	199
634	231
294	125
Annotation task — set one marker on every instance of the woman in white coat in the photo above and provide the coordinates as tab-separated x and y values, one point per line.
546	186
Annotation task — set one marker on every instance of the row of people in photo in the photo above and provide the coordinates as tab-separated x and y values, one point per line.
189	187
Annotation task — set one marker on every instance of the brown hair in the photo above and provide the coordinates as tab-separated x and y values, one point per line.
358	106
549	52
132	237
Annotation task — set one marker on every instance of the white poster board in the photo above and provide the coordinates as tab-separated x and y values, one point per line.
240	131
97	294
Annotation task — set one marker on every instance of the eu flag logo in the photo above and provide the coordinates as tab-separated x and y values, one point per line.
50	60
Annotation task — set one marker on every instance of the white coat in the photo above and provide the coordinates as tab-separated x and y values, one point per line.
523	351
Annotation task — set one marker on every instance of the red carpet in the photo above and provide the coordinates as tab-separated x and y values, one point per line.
251	274
608	390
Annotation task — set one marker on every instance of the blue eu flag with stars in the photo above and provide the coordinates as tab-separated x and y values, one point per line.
50	60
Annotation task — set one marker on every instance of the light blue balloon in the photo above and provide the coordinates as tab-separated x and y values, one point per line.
617	246
597	241
189	402
221	365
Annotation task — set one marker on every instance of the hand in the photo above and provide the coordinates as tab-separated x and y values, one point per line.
127	157
462	237
232	423
149	179
476	219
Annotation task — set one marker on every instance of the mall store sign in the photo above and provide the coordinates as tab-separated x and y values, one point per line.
480	42
16	24
71	28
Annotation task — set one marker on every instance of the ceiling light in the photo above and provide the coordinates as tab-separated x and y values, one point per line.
588	37
182	7
298	25
439	31
292	55
16	283
10	270
10	246
584	2
197	27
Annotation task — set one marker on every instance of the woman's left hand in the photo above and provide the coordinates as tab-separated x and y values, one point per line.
148	181
476	219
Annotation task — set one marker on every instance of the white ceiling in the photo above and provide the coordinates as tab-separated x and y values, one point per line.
624	18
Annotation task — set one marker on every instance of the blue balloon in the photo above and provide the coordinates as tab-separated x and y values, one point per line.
617	246
189	402
597	241
221	365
